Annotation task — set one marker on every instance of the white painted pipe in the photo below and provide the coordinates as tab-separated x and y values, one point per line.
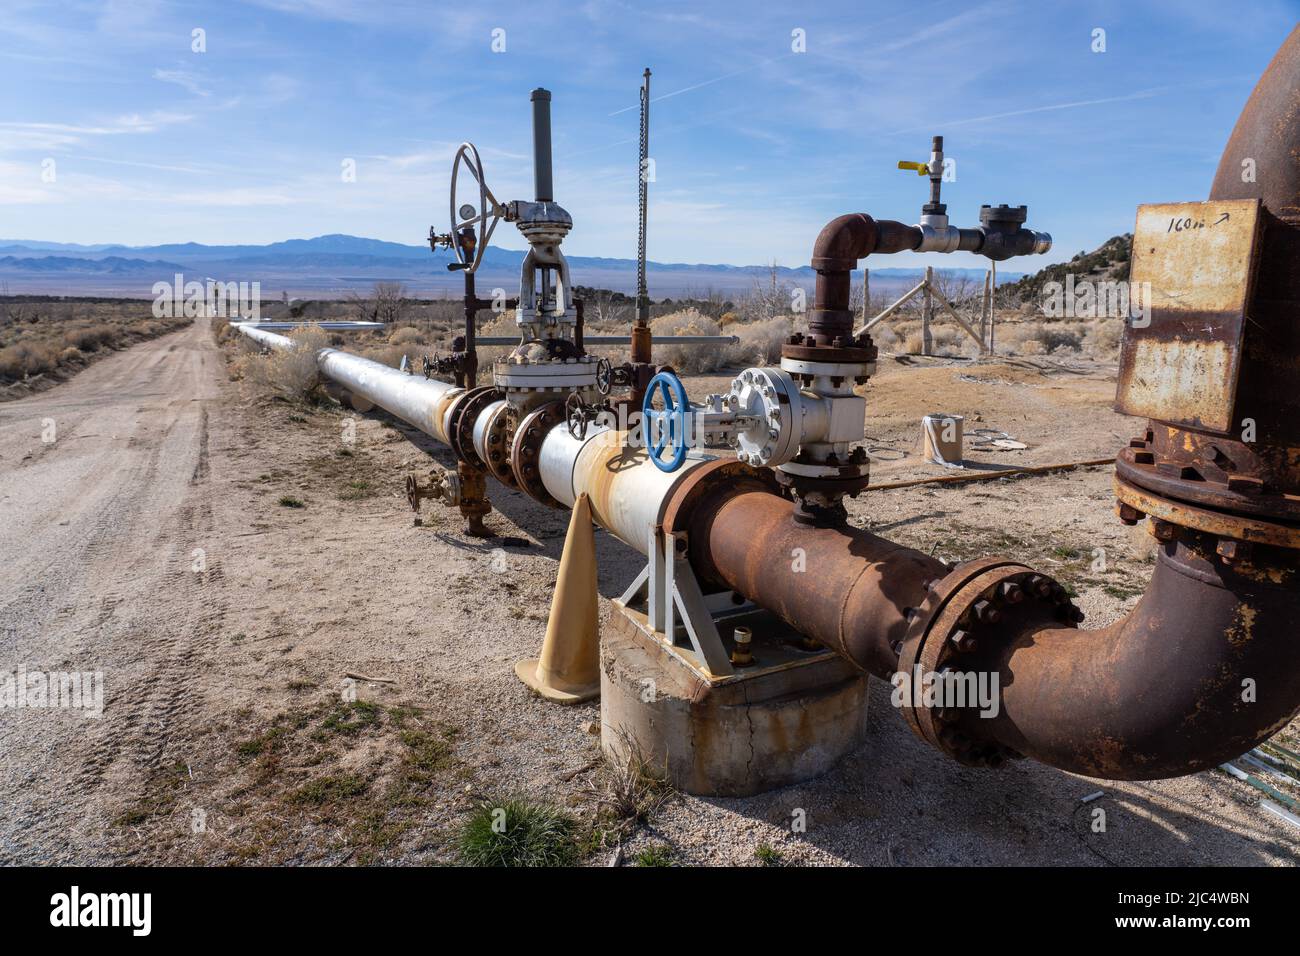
422	402
628	493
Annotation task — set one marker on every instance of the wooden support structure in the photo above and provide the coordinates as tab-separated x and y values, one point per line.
897	304
927	312
927	289
993	300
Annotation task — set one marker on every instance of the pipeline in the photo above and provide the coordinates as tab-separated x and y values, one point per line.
1203	669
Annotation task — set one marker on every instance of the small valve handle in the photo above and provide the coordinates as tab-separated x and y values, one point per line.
665	429
921	168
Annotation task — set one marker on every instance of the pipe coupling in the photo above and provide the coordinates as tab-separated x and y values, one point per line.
947	674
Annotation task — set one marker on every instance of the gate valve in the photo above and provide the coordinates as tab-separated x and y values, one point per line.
664	429
442	485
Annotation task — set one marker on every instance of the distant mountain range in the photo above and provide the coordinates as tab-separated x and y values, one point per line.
334	265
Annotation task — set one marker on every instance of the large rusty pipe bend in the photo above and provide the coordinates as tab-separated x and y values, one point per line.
843	586
1204	668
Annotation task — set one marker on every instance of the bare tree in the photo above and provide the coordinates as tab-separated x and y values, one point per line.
389	301
607	308
771	296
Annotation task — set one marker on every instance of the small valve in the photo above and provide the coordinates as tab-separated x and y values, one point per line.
921	168
442	485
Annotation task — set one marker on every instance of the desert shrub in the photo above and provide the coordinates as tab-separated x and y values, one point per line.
71	356
406	335
290	373
688	359
1037	338
1102	340
760	342
94	337
27	358
11	366
390	355
503	324
886	337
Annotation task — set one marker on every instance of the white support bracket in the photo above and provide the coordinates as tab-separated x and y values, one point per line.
669	588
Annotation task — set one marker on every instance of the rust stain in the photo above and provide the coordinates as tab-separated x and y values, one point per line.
1193	275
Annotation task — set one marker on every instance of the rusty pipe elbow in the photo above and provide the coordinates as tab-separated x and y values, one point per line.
841	243
1204	668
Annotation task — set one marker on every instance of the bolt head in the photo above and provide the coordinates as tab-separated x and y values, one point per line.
1231	550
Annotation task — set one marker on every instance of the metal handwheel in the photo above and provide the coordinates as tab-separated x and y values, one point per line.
483	219
575	415
665	429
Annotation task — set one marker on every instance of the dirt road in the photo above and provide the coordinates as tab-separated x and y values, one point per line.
104	497
226	560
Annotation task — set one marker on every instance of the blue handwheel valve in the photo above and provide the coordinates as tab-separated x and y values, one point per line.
664	429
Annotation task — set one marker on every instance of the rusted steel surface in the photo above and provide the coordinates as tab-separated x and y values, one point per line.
836	251
1262	161
842	586
1204	668
1198	262
704	487
628	493
474	505
966	614
1216	472
499	431
1221	524
461	416
526	450
1265	135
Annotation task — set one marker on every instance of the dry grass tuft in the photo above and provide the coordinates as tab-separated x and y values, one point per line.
631	791
292	373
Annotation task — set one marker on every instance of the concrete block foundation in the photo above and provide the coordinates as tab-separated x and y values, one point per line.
786	718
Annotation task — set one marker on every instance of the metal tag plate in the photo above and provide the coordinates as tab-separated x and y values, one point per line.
1194	266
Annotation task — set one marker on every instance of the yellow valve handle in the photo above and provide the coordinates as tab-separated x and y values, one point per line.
921	168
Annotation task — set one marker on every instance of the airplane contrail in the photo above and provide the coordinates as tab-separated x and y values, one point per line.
716	79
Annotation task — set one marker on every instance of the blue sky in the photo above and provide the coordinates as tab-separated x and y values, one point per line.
756	146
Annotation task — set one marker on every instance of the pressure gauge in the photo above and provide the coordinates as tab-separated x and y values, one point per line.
467	211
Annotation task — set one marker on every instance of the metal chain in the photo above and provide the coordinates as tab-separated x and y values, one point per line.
642	189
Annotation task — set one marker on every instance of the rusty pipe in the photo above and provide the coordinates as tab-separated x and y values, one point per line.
845	587
841	243
1206	666
1203	669
1260	160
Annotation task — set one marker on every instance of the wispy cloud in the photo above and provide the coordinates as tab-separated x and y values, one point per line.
19	137
184	79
